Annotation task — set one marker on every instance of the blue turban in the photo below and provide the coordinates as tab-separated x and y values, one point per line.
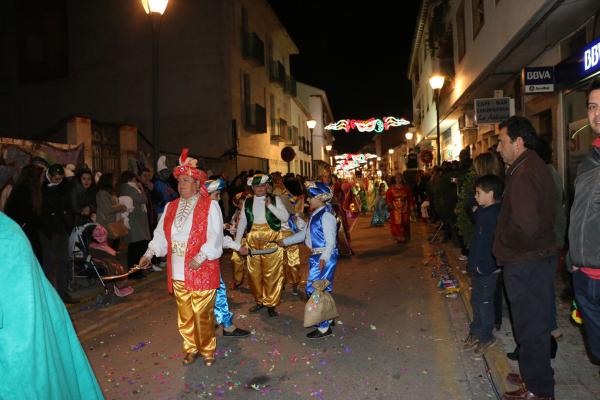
214	185
319	190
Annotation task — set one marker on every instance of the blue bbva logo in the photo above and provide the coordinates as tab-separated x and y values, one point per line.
591	57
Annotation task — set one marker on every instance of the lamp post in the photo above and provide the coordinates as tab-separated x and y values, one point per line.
311	123
391	151
436	82
328	149
408	135
155	10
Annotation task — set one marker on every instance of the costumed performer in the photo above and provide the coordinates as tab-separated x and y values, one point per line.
222	313
261	221
320	237
238	262
190	234
400	202
40	355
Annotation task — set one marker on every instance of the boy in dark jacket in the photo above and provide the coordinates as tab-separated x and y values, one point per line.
482	264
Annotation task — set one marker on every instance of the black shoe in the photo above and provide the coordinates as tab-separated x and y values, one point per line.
256	308
272	312
317	334
239	333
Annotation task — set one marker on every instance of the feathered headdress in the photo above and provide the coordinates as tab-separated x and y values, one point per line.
188	166
319	190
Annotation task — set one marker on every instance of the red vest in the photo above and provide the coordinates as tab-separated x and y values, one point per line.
206	277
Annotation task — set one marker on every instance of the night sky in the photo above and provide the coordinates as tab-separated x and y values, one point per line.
358	53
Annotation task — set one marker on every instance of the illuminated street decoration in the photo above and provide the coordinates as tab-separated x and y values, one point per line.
370	125
350	162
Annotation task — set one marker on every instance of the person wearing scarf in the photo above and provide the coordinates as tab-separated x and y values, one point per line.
190	234
320	237
261	221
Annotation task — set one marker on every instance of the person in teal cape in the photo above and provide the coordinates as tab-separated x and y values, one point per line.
40	355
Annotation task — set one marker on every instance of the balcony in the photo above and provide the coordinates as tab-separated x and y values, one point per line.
277	73
253	50
255	120
290	86
278	129
292	136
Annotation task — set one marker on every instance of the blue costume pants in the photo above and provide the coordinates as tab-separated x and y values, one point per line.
222	314
315	274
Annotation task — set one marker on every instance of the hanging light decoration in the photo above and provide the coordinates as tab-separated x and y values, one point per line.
370	125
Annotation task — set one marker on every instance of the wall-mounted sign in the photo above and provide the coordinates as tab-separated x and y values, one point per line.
491	111
538	79
591	58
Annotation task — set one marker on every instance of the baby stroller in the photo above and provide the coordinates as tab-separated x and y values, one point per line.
90	263
82	265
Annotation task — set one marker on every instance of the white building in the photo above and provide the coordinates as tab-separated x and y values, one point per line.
481	47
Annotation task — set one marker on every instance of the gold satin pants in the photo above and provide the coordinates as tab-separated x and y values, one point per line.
292	261
265	271
196	319
239	265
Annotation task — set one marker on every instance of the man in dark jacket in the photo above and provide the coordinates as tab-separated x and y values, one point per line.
525	245
56	226
584	231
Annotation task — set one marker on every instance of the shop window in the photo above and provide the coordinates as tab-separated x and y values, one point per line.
478	16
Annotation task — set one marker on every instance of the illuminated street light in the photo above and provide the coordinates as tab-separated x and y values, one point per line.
155	10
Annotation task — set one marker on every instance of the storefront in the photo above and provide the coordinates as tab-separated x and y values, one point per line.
574	76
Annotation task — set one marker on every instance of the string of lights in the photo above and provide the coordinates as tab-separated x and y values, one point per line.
370	125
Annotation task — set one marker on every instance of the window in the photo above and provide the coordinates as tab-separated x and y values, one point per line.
460	30
246	89
478	16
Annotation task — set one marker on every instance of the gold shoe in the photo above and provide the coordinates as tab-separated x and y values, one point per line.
189	358
209	361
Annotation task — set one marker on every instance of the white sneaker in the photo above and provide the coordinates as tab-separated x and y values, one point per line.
463	258
156	268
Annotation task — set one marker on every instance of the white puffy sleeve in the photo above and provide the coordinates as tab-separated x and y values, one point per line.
212	249
158	246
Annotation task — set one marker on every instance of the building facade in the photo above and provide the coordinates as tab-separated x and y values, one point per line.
225	87
482	48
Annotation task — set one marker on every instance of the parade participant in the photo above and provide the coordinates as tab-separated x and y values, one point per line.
238	262
192	259
350	205
381	213
290	192
222	314
320	237
261	220
40	355
400	202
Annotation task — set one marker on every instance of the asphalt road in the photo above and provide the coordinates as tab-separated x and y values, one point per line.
396	338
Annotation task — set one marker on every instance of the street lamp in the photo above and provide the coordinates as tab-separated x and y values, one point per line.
436	82
155	10
328	147
408	135
391	151
311	123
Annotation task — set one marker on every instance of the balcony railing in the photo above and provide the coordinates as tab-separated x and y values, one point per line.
278	129
277	73
255	118
290	86
253	49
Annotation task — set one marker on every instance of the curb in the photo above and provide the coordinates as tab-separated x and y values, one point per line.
494	358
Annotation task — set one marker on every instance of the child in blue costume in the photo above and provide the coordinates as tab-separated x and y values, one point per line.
222	314
40	354
320	235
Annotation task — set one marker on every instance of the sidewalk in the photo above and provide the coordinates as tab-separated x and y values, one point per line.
576	377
